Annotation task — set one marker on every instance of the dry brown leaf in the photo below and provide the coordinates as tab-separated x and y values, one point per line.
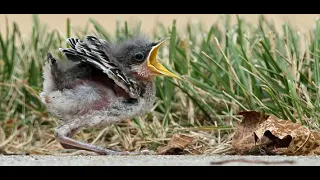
176	145
243	141
262	134
289	138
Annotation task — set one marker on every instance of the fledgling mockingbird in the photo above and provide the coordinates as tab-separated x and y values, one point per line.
100	84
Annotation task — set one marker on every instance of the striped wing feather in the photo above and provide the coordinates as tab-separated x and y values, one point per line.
91	51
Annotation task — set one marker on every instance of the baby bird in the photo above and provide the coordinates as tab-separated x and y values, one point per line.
100	84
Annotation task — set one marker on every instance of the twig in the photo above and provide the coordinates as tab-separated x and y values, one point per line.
2	151
10	138
252	161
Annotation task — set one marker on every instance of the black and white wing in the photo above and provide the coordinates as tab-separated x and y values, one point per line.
92	51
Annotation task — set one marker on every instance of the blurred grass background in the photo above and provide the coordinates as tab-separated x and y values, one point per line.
58	21
227	67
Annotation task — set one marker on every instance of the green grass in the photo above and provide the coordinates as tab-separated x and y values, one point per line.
225	69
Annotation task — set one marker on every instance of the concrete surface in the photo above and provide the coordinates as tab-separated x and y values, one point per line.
146	160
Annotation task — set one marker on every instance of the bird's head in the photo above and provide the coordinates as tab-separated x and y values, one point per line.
139	58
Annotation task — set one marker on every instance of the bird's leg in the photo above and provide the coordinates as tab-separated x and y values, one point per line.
64	135
70	135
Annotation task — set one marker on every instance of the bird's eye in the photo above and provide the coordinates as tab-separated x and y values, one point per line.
139	56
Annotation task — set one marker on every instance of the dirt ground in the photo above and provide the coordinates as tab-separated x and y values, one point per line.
303	22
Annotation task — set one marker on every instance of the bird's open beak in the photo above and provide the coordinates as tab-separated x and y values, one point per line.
154	65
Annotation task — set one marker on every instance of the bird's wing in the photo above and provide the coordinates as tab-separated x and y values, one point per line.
91	51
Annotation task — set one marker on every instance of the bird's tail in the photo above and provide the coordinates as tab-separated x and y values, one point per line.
49	79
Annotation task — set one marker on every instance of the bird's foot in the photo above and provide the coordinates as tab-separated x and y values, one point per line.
104	151
143	152
68	143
